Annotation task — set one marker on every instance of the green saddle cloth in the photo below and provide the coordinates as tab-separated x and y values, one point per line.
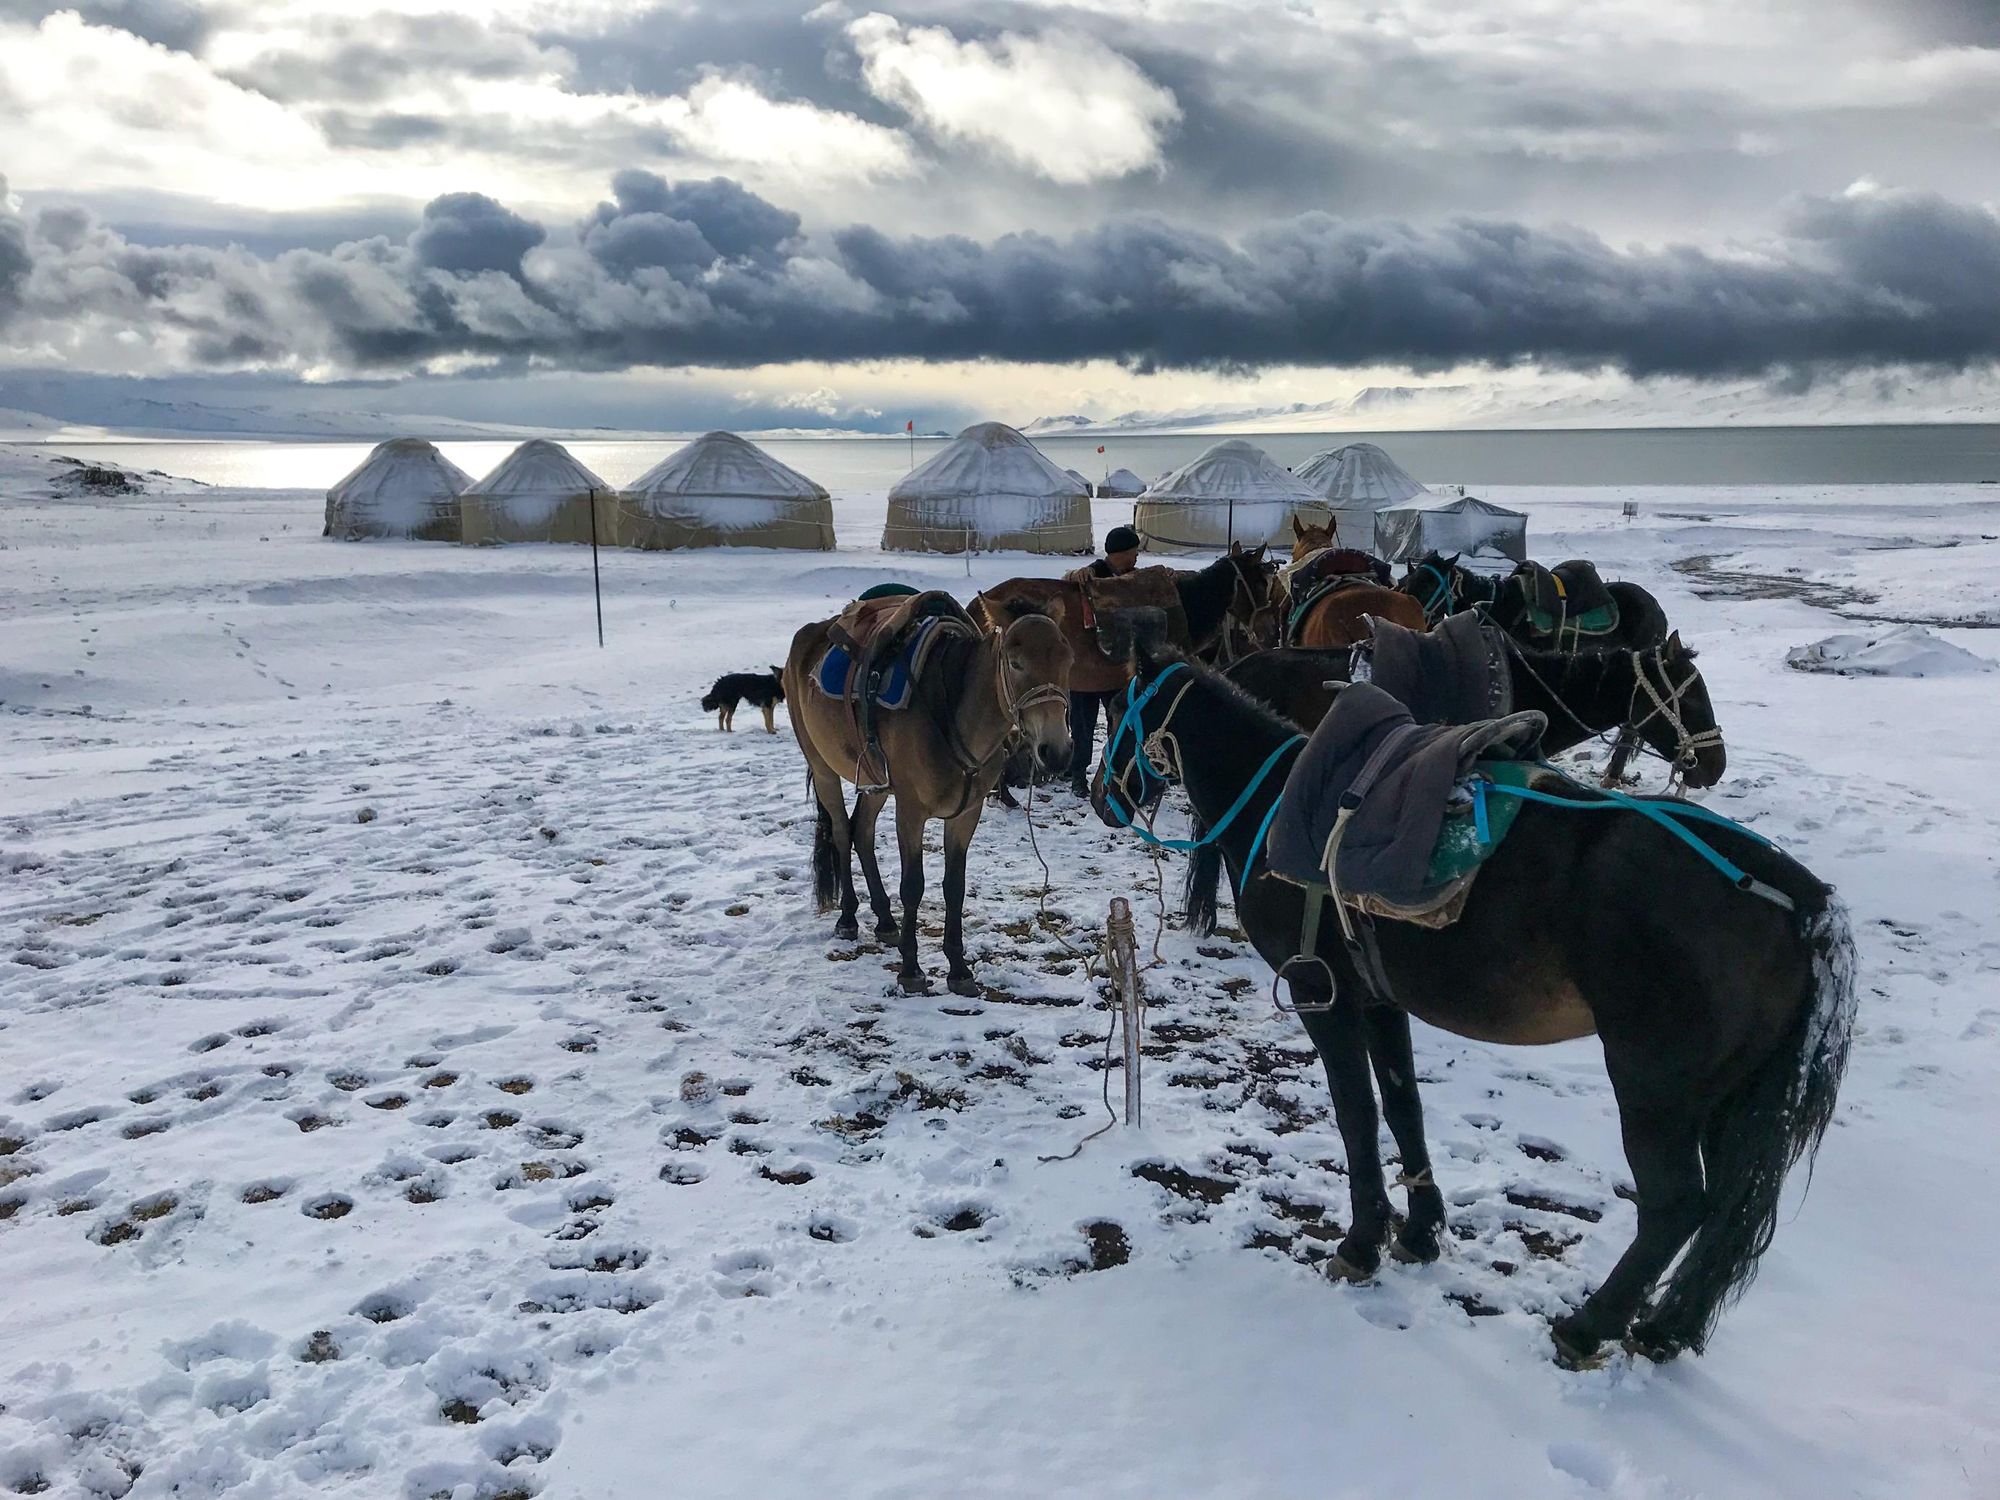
1460	848
1600	621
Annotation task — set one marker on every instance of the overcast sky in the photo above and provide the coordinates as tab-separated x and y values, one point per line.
747	209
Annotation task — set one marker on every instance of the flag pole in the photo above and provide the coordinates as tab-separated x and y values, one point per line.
596	577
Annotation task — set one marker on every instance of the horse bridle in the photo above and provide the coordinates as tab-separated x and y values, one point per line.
1243	591
1688	744
1444	590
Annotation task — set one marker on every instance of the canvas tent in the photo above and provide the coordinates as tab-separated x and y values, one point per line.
723	491
405	488
1450	523
1080	480
540	493
1123	484
1233	491
1358	481
992	488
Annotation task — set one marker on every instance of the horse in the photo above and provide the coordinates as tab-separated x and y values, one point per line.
1339	617
1234	589
982	702
1444	586
1658	696
1724	1016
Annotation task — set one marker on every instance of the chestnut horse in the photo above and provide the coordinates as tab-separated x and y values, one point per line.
1340	618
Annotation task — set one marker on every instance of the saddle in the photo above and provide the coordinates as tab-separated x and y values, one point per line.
1328	571
1566	602
1388	818
877	652
1454	674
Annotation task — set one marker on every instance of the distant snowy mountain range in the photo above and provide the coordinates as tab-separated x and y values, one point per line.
1576	402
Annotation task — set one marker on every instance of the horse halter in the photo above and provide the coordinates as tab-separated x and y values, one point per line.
1688	744
1018	705
1243	591
1443	594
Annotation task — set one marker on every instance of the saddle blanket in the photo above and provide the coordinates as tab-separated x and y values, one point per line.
1411	833
1455	674
835	674
1570	599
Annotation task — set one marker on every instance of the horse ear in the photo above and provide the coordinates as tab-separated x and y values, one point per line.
1675	650
1235	549
1298	530
1054	609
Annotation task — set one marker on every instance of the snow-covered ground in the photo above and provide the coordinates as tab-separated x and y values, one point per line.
422	1072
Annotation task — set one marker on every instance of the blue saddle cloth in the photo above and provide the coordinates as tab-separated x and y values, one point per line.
836	668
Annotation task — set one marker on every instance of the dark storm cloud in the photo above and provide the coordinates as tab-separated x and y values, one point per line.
14	260
470	232
180	24
709	274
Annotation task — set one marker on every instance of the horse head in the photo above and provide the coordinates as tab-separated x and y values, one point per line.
1308	539
1436	582
1672	713
1032	659
1129	780
1252	599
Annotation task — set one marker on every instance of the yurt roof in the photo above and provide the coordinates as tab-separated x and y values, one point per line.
401	469
723	464
1456	503
539	468
1233	470
1122	482
1359	472
989	458
1077	477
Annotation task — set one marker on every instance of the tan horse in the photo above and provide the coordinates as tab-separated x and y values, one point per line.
1341	618
1234	590
979	703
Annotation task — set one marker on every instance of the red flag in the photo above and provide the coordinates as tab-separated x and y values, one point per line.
911	425
1100	447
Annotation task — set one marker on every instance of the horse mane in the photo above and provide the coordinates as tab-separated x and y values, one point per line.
1020	609
1153	658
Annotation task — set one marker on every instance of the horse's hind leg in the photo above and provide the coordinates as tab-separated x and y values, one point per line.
1343	1048
910	841
833	850
770	724
1396	1076
1662	1148
867	808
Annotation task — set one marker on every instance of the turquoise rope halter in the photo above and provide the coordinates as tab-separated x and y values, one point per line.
1131	721
1443	588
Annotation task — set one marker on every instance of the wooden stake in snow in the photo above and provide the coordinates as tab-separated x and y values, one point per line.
1122	952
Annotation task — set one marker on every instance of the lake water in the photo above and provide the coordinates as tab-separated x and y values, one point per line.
868	466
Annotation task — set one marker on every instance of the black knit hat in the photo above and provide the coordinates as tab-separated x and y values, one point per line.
1121	539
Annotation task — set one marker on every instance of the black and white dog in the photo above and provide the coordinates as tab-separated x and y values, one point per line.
762	690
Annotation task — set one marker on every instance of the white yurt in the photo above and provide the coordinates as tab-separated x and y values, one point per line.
992	487
540	493
1358	480
405	488
1087	489
1450	523
724	491
1122	484
1234	491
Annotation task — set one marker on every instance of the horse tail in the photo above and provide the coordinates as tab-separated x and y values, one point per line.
1203	877
1761	1130
826	860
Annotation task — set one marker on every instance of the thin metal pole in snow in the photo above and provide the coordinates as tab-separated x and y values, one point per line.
596	576
1123	944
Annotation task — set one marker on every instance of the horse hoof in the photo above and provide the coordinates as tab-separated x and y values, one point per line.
1340	1267
914	984
847	929
1420	1253
888	934
1649	1341
1576	1350
964	984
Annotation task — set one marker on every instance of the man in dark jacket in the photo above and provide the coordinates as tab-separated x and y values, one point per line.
1121	555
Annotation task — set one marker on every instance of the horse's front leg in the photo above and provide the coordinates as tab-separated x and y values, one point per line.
867	808
957	841
1396	1076
1343	1048
910	842
1623	748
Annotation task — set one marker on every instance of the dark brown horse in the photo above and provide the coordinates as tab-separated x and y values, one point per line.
980	703
1340	618
1234	590
1724	1014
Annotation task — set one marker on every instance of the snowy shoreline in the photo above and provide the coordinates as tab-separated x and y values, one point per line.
366	923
